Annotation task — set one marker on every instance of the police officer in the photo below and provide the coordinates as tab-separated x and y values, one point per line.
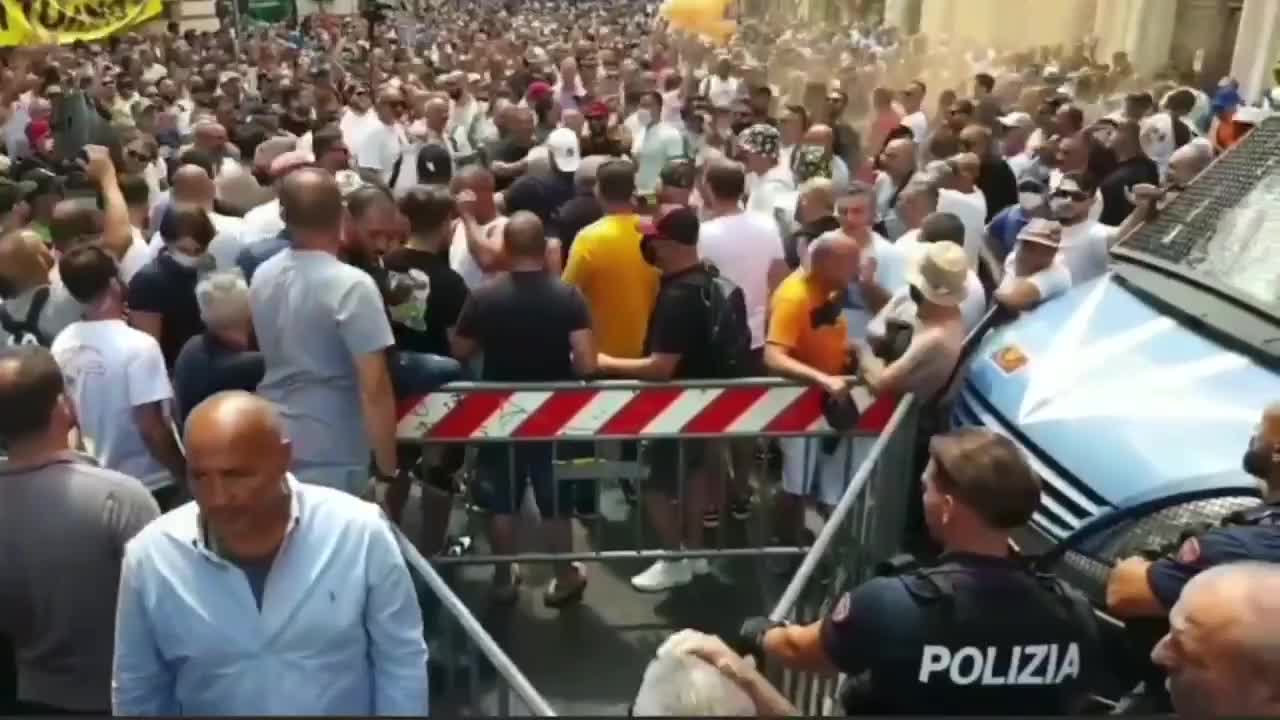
1141	588
977	632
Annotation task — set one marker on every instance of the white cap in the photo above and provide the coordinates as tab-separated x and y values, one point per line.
1017	120
563	146
227	76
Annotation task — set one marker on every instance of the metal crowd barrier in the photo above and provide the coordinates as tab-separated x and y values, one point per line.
464	644
865	528
611	414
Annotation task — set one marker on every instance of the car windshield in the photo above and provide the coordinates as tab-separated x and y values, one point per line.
1244	251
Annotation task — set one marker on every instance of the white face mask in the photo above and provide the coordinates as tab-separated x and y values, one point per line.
201	263
1030	202
644	117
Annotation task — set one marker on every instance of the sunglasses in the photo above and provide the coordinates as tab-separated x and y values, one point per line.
1073	195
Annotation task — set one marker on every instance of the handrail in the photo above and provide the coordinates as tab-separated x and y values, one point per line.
478	635
834	523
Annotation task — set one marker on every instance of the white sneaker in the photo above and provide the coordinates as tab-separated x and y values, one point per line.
699	566
663	575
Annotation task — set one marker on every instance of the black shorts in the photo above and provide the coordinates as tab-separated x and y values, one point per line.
665	458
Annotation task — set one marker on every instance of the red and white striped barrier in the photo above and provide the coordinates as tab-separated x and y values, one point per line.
630	411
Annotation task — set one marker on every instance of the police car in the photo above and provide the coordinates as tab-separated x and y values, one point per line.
1134	396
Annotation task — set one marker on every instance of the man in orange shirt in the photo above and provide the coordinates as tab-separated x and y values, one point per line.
807	341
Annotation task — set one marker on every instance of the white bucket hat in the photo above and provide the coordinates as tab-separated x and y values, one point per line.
939	273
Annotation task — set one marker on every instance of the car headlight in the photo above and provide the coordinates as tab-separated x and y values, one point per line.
1088	563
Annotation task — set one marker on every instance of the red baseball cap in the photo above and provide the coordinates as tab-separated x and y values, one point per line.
677	223
596	109
538	91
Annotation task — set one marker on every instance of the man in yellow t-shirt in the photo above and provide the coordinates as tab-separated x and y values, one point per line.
807	341
606	265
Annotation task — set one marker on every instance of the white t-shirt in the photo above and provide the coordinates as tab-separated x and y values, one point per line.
721	92
380	147
354	125
460	258
1086	250
109	369
135	257
652	147
743	246
891	276
1051	282
971	208
261	222
766	192
919	126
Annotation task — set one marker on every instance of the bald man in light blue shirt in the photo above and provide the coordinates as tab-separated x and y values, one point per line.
264	596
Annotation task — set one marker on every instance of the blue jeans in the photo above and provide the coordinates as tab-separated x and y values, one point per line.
414	373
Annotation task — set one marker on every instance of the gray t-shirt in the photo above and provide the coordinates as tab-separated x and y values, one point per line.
59	311
313	315
63	527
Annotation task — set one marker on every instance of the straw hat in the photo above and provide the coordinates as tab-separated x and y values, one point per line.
939	273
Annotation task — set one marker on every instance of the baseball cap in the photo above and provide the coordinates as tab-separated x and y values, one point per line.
673	222
596	110
435	166
538	91
12	193
1017	120
562	143
227	76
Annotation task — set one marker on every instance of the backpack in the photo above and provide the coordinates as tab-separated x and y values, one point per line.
727	326
27	330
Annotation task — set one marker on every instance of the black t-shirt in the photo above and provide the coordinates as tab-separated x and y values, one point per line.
505	150
207	366
679	324
541	195
168	289
422	324
1135	171
522	323
573	216
998	184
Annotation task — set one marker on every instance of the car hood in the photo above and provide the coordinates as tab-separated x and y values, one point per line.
1132	404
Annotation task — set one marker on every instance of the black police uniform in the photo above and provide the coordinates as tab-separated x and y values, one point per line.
968	635
1252	534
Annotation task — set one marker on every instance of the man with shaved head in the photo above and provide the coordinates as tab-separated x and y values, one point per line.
340	633
31	311
476	251
323	331
805	341
1222	653
69	518
531	327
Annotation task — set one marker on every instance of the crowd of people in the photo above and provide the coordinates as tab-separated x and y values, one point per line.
226	257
